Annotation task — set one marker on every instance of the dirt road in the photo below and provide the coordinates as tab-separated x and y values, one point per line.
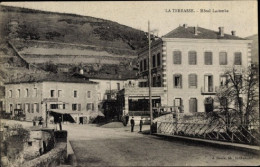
95	146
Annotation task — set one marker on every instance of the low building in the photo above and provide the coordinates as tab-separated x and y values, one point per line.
34	96
108	87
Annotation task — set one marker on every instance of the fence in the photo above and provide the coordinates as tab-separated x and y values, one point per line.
247	134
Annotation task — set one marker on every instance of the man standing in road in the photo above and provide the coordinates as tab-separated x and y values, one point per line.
132	121
141	124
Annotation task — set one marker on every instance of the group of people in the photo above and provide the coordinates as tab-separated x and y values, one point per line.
132	122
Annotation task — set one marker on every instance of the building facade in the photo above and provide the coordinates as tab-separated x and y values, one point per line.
194	60
156	65
33	99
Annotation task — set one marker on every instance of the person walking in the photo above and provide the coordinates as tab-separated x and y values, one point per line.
126	119
60	120
132	121
141	124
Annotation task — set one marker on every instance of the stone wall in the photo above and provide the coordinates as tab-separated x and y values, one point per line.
53	158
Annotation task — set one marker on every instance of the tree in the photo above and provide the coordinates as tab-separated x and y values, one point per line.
238	97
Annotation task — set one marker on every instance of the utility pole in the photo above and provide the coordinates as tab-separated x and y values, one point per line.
149	78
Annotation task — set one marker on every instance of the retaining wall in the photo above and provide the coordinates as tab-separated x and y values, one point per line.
55	157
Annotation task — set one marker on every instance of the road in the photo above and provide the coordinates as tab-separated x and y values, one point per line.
96	146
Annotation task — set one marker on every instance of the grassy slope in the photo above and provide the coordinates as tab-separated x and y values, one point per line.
69	28
34	26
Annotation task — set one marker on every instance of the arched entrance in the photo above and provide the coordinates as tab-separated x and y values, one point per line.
209	104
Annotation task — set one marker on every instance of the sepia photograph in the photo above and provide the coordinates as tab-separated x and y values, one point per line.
129	83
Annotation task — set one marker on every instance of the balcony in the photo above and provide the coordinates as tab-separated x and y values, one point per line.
208	90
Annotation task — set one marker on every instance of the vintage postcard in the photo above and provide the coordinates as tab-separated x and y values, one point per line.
135	83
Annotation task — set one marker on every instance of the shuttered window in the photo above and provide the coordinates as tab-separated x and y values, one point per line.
79	107
223	58
223	80
32	109
154	81
158	59
178	104
154	61
27	108
177	81
177	57
36	107
208	58
192	58
238	58
159	81
145	64
93	107
141	66
74	107
89	105
193	105
192	81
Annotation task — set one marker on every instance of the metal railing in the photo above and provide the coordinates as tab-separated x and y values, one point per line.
247	134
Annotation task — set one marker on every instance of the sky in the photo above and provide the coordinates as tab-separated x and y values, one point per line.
241	15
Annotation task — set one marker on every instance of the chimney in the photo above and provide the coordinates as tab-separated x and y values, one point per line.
233	33
195	30
185	25
221	31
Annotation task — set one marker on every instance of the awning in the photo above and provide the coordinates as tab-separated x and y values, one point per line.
64	111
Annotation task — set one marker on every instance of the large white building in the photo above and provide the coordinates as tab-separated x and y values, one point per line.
190	63
76	97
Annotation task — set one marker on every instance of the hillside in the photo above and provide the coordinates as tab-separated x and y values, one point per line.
61	42
36	25
255	51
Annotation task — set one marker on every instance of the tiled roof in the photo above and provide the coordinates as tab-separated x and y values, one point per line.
121	76
182	32
51	78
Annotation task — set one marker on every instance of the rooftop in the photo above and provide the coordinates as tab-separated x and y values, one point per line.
202	33
49	77
127	75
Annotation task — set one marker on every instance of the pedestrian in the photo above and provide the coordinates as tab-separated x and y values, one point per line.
60	123
141	124
126	119
132	121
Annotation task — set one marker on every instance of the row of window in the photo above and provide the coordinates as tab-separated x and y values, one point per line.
77	107
26	93
156	82
208	58
208	81
34	107
27	107
75	93
74	106
52	93
156	62
193	104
